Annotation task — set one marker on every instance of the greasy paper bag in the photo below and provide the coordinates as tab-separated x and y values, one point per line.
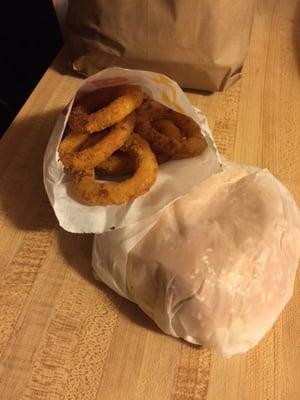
217	266
201	44
174	179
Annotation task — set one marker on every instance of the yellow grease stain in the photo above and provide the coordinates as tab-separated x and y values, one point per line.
162	80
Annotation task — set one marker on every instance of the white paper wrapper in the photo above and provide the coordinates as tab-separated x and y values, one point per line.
217	266
175	178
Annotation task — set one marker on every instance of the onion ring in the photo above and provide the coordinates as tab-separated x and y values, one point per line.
168	128
104	108
106	193
120	163
95	150
192	142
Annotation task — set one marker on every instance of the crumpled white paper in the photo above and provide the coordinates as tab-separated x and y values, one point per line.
175	178
217	266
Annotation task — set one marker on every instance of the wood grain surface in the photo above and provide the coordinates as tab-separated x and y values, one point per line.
65	336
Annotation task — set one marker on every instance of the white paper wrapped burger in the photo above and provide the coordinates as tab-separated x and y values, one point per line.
217	266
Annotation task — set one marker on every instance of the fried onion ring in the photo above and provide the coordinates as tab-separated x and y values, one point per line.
104	193
96	112
95	150
120	163
192	142
168	128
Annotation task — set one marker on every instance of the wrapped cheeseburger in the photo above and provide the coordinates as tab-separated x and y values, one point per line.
218	265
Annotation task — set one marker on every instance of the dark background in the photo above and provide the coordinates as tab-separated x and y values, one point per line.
30	38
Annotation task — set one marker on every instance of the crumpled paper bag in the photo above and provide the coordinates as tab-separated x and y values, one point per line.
217	266
201	44
174	179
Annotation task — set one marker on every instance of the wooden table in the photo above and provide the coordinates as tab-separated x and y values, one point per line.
65	336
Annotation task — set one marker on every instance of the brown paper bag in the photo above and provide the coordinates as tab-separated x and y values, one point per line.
201	44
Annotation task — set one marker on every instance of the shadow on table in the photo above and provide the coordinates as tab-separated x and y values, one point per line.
23	199
77	250
296	35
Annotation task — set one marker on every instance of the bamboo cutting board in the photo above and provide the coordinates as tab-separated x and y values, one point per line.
65	336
